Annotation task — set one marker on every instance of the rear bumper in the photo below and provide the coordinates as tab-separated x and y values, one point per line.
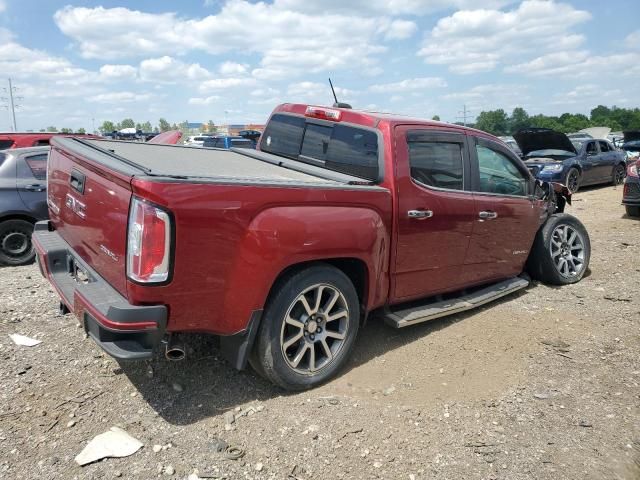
124	331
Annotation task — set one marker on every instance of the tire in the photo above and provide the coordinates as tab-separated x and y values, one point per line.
310	347
557	257
15	243
632	210
573	180
617	177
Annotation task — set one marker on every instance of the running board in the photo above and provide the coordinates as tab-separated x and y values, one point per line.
422	313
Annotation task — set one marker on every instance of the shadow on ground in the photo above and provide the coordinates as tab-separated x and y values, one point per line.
204	385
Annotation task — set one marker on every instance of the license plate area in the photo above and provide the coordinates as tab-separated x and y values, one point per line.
78	272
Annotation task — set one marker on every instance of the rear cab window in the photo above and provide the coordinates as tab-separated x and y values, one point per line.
338	147
6	143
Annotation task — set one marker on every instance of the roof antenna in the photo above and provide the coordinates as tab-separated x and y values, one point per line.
337	104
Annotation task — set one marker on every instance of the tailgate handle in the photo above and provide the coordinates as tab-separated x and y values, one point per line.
77	179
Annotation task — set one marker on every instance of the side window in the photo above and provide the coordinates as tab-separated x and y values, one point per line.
604	146
34	165
498	174
4	144
436	164
353	151
591	148
41	143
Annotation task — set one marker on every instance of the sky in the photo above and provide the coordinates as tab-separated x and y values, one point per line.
76	63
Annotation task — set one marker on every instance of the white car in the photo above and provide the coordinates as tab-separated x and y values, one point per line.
195	140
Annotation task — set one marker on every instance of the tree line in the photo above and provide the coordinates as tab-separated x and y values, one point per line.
498	122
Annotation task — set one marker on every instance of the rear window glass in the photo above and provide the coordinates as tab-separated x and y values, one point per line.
38	166
4	144
2	158
41	143
436	164
341	148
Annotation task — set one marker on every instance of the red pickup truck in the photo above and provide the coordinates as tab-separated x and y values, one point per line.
285	251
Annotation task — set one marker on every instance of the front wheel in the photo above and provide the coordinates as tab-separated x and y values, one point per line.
15	242
619	172
573	180
308	329
561	251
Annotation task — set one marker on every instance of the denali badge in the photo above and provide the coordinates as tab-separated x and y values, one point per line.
520	252
76	206
109	253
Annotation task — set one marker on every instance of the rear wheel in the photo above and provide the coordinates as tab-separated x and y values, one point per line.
573	180
619	172
308	329
632	210
15	242
561	251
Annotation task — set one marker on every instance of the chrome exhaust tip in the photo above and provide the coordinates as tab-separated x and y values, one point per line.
175	350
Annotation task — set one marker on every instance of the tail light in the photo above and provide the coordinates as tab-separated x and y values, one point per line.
632	171
148	243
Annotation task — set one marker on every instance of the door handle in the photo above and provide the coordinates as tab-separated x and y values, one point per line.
420	214
36	187
487	215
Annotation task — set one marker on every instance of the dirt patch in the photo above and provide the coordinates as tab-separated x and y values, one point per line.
542	384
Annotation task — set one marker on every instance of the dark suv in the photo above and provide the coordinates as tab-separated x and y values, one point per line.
23	201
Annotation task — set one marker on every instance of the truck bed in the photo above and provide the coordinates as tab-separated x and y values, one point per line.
239	165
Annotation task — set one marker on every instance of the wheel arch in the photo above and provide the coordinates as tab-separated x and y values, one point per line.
17	216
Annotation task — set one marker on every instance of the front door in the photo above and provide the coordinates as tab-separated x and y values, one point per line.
435	211
506	217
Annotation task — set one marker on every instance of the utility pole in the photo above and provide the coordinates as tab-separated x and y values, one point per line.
12	105
465	114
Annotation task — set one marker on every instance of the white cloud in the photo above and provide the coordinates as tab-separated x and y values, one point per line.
579	64
387	7
203	100
633	40
119	97
170	70
224	83
410	84
233	68
290	42
118	72
399	29
315	92
471	41
3	5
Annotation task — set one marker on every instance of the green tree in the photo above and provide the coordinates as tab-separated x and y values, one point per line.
436	118
164	125
493	121
211	127
42	130
66	130
146	127
107	127
81	130
52	129
519	119
127	123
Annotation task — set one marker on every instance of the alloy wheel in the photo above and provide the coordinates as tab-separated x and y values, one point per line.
619	174
15	243
315	329
567	251
572	181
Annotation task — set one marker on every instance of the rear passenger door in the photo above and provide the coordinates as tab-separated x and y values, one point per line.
435	211
608	158
505	220
31	182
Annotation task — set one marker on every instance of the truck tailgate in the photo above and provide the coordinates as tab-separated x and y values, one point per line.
89	204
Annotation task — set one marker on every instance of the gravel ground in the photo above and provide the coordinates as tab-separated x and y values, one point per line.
542	384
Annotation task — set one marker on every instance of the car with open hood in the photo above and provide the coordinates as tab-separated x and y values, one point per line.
552	156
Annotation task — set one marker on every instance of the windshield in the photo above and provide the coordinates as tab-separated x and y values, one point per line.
550	153
334	146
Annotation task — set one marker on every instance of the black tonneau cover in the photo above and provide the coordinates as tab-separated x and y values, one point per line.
179	161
